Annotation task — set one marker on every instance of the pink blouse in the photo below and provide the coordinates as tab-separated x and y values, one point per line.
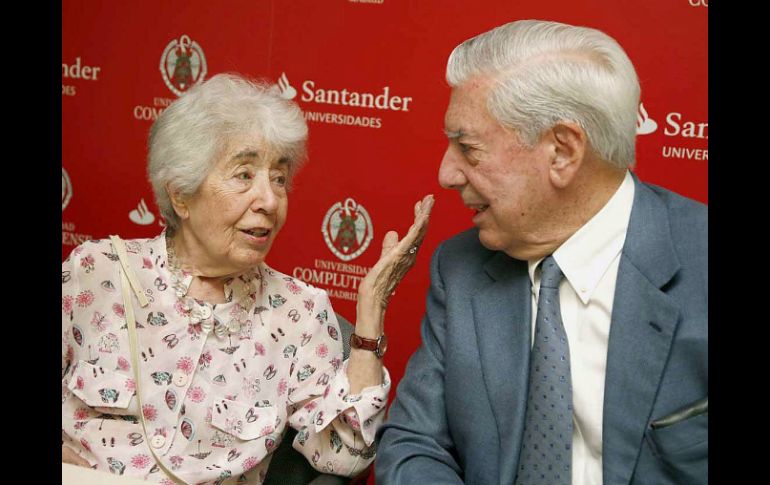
215	406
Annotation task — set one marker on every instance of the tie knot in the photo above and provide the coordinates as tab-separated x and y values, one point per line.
551	273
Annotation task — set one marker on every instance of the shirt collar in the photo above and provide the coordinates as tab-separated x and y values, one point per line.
235	288
588	253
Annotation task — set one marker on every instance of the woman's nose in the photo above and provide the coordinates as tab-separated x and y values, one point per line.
265	199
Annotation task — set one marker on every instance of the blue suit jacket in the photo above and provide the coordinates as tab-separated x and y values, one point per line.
459	410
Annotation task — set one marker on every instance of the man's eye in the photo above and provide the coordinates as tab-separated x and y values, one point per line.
243	176
464	148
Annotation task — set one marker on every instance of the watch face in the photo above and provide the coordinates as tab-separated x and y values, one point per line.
383	345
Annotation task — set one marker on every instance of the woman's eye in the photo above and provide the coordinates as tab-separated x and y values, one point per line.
243	176
280	180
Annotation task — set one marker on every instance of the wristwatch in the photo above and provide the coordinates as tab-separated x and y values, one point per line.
378	346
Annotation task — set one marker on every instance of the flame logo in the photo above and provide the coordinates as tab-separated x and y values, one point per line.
644	124
287	91
141	215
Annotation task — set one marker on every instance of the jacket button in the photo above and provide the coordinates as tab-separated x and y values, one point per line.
158	441
180	379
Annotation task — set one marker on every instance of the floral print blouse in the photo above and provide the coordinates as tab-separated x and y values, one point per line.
216	404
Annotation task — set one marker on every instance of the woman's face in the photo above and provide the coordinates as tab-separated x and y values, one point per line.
239	208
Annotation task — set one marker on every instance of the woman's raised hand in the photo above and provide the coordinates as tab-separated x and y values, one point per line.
397	258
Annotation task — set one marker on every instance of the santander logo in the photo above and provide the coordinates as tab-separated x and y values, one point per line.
676	125
383	100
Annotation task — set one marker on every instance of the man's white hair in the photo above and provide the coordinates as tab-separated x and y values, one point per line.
544	72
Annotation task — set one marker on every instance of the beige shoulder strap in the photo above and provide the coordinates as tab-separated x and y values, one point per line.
129	281
120	248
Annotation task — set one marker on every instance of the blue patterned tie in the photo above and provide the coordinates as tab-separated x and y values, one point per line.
546	448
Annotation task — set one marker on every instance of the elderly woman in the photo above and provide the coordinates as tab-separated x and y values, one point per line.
223	352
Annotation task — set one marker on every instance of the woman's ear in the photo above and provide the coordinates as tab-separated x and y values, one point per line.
570	144
178	202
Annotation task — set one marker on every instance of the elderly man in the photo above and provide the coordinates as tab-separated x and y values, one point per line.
565	338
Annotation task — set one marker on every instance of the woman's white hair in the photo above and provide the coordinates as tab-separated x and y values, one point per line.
192	132
544	72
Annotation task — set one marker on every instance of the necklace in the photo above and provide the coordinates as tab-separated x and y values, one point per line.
241	289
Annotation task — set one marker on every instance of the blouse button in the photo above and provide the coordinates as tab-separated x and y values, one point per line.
180	379
158	441
205	312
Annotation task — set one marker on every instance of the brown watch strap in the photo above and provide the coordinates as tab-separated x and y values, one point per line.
358	342
378	346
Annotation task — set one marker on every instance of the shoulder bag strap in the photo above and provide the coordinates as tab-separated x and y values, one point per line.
128	282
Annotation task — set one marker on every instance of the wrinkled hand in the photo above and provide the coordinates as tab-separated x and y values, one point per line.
396	259
69	456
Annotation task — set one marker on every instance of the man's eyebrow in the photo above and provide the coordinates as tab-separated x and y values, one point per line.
454	134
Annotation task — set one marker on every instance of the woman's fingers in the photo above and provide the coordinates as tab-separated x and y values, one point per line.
397	257
424	210
406	249
389	242
417	231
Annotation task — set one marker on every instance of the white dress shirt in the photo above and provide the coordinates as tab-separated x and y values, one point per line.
589	260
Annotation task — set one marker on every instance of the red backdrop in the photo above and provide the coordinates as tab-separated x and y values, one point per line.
383	159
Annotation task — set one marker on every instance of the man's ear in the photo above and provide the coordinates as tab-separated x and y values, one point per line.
569	149
178	202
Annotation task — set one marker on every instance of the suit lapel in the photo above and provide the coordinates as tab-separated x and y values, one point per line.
644	321
502	317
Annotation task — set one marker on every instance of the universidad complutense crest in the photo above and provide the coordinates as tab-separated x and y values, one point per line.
182	64
347	229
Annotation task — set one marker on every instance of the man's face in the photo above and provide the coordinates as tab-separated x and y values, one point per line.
505	183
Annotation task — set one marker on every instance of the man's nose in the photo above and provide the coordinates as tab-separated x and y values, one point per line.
450	175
